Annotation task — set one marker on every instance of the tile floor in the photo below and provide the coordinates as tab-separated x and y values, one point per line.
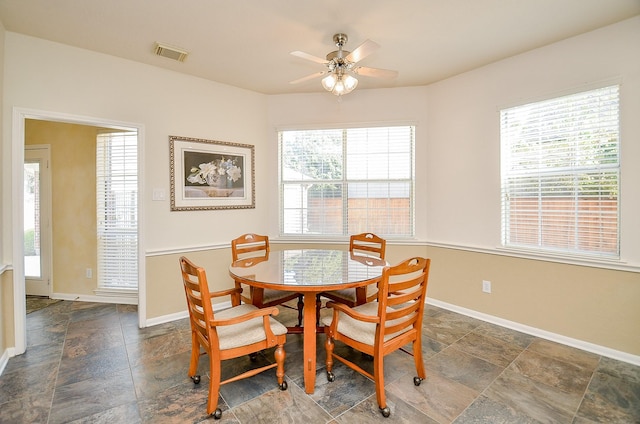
89	363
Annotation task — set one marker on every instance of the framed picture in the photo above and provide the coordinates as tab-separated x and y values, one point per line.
208	174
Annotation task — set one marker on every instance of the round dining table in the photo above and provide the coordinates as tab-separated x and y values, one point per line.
310	272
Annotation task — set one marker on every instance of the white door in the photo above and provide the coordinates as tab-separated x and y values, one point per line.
37	220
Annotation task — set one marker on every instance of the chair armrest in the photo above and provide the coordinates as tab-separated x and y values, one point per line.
265	313
273	311
233	291
339	307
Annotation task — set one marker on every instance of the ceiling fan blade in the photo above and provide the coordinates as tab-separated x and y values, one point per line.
362	51
375	72
307	56
308	77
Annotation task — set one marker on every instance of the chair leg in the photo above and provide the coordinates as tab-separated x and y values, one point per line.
300	309
318	307
280	356
378	373
417	358
214	388
329	346
195	357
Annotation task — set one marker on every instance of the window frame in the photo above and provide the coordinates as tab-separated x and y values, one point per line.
345	181
576	171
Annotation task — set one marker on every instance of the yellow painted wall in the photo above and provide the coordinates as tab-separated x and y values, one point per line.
73	182
6	311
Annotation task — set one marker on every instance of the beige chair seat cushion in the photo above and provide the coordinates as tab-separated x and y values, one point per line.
244	333
364	332
350	294
270	295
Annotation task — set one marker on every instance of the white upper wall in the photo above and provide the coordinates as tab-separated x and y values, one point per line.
51	77
458	132
463	193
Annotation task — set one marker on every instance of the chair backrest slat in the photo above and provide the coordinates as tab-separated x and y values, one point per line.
368	243
249	244
198	302
403	287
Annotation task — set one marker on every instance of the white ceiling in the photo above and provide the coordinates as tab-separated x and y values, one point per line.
246	43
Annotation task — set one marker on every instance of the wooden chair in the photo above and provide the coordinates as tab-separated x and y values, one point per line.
363	244
254	245
237	331
379	328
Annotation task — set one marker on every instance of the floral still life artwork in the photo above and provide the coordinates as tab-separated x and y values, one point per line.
207	174
221	172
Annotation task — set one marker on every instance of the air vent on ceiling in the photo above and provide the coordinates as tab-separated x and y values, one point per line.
170	52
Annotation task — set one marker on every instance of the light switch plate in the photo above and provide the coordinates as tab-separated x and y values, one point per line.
158	194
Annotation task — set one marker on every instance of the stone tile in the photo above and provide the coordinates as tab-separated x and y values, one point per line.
47	335
92	365
612	396
184	403
154	348
26	408
463	368
588	361
84	340
150	378
489	348
36	356
553	372
368	411
448	327
92	311
127	413
88	397
438	397
289	406
484	410
28	381
133	334
348	388
626	372
241	391
507	335
533	399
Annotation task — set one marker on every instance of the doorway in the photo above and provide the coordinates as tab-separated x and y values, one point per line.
20	116
37	220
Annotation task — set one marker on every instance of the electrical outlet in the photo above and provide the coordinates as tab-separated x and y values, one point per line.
486	286
89	272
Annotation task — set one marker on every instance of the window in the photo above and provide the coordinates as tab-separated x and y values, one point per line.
339	182
560	174
117	208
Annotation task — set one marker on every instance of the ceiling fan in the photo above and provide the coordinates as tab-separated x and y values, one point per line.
341	66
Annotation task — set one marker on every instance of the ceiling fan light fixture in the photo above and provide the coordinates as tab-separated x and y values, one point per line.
329	82
339	83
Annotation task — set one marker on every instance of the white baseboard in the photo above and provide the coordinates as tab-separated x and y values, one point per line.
123	300
558	338
4	359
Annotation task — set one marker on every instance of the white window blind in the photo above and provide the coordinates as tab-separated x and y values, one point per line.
117	208
560	174
339	182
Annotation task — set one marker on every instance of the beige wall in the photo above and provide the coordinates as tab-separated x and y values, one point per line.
73	183
594	305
